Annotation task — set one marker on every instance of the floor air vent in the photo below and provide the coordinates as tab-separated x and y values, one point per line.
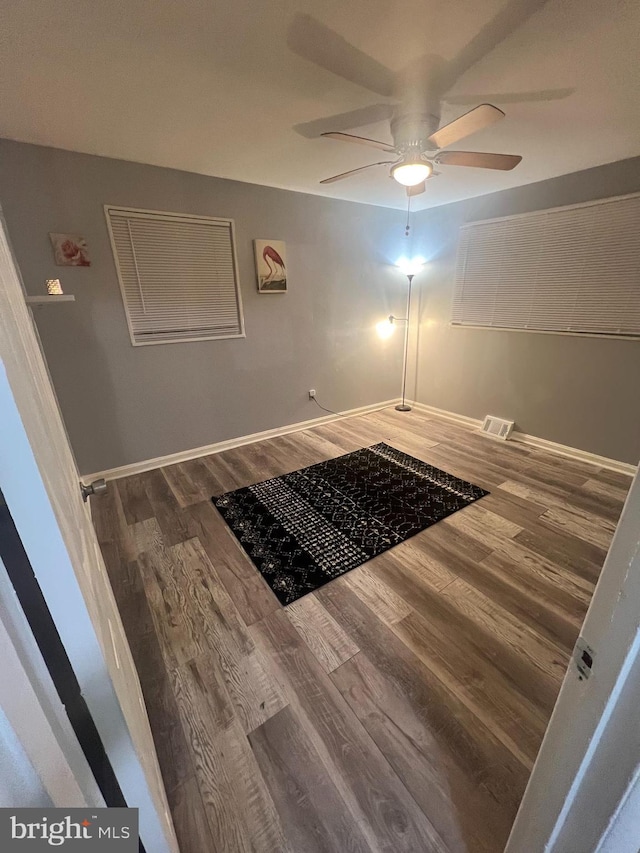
497	427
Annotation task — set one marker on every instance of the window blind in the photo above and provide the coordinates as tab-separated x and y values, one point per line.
178	275
572	269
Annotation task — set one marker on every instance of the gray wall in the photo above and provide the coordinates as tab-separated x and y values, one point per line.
123	404
580	391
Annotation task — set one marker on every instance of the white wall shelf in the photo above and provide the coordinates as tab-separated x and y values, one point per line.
49	300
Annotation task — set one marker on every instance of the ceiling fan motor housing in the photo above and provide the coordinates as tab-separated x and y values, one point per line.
411	132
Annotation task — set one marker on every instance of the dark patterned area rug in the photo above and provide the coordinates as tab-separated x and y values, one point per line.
304	529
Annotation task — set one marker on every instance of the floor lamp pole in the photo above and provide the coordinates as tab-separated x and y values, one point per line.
402	407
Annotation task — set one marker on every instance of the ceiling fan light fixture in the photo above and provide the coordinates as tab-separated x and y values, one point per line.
410	173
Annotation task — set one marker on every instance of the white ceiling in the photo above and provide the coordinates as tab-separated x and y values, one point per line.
211	86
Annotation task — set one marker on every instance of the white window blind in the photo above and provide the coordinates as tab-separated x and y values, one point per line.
572	269
178	275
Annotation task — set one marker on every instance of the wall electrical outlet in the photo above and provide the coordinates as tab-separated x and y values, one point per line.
312	393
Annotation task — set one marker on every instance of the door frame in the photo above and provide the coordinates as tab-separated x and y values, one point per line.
19	590
33	471
32	708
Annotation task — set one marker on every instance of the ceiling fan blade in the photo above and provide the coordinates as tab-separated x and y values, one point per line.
361	140
323	46
512	97
512	16
503	162
417	190
471	122
348	174
345	121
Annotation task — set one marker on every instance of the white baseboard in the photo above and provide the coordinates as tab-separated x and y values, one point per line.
575	453
462	420
542	443
218	447
443	413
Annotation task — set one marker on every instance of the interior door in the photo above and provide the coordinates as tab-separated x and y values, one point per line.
118	688
590	754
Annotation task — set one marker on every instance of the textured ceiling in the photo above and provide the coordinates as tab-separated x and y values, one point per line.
212	87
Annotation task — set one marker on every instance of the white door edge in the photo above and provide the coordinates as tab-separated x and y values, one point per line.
62	560
591	749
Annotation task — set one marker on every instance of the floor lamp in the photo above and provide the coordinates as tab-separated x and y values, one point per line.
410	268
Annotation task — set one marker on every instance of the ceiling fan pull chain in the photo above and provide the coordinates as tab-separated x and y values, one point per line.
407	226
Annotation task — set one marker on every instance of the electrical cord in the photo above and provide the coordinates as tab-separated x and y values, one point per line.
324	409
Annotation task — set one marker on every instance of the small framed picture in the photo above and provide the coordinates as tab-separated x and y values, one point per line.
271	266
70	250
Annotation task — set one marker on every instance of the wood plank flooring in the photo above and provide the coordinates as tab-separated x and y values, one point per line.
398	708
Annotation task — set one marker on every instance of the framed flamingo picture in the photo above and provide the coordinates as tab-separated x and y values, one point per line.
271	266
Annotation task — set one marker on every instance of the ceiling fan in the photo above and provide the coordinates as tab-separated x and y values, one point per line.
418	150
418	91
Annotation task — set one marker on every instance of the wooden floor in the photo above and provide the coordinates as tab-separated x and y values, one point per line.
398	708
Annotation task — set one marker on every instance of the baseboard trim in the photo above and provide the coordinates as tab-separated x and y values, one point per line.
463	420
575	453
218	447
534	441
449	416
